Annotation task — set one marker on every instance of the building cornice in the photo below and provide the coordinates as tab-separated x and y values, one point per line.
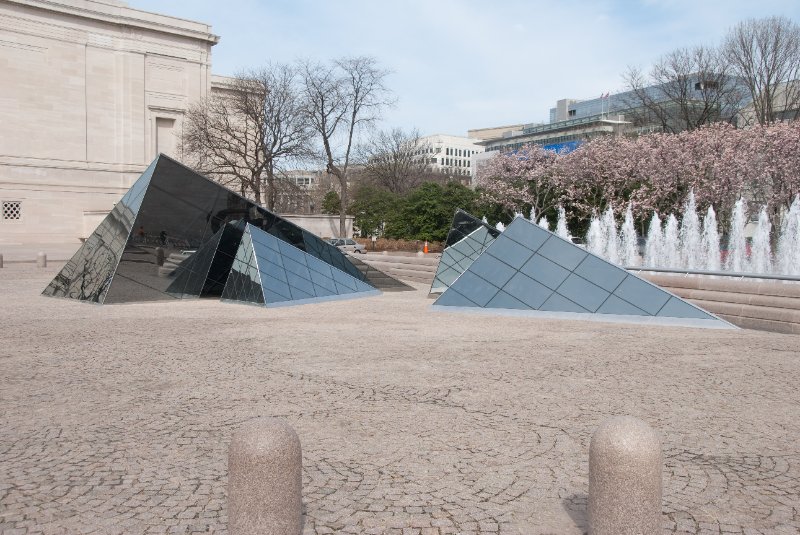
119	14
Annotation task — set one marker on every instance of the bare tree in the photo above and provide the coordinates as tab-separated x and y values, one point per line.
342	98
685	89
766	54
396	160
241	135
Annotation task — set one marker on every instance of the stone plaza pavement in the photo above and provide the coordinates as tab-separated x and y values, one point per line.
117	419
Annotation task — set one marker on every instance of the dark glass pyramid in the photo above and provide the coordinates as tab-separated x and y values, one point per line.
196	223
270	272
528	269
467	239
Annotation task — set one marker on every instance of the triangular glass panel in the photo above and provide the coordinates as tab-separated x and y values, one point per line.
528	267
286	275
87	275
204	273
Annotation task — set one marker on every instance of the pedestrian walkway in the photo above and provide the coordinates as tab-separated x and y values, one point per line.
56	252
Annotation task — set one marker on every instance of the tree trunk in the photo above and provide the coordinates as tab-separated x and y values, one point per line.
343	209
271	194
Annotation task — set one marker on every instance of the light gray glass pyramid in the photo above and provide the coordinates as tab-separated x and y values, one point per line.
269	272
467	239
531	271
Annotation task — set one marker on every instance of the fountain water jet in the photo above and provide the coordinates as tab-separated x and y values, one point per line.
710	241
737	245
672	254
595	238
561	224
761	251
630	249
544	223
788	257
690	237
609	228
654	247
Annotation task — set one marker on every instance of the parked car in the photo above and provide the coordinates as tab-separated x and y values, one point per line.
347	245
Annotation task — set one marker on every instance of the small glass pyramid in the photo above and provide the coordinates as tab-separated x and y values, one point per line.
467	239
529	270
269	272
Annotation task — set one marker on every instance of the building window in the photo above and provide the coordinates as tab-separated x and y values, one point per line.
165	136
571	113
12	210
706	84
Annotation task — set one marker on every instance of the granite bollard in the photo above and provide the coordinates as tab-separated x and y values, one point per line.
265	480
625	487
41	260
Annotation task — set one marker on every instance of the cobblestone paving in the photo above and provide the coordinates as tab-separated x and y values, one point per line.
116	419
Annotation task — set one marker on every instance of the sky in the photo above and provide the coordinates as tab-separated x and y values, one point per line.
457	65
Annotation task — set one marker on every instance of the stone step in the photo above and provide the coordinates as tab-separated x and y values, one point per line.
378	278
751	304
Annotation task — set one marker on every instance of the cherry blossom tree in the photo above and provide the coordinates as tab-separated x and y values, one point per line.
654	172
521	180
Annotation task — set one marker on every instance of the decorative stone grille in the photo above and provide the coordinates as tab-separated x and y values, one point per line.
12	210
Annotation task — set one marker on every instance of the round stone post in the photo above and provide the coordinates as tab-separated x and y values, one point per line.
625	478
41	260
265	480
159	256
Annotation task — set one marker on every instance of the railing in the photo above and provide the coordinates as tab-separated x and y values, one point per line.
733	274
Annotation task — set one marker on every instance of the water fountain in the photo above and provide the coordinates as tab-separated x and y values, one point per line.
710	241
692	245
690	237
561	224
629	255
654	246
788	257
596	237
609	228
761	250
737	245
672	253
544	223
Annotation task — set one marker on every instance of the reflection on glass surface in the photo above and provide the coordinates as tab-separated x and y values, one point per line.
467	239
530	268
88	274
270	271
195	222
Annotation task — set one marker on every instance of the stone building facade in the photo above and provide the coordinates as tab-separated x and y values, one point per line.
92	91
